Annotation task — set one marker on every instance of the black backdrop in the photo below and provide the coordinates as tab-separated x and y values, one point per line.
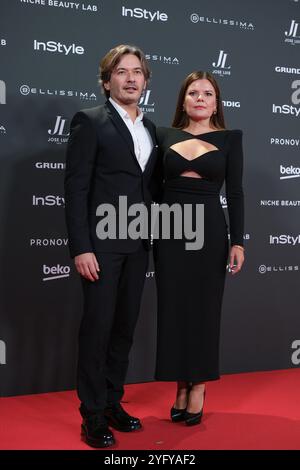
253	48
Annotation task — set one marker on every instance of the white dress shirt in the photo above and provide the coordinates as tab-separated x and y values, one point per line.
140	135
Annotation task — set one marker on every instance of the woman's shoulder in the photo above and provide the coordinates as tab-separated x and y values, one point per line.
235	131
165	132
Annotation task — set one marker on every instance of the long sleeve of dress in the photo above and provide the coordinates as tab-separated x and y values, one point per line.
234	188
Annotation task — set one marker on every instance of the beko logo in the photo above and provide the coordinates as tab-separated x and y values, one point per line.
289	172
55	272
53	46
141	13
284	240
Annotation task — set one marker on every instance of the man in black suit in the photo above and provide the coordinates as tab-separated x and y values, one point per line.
111	152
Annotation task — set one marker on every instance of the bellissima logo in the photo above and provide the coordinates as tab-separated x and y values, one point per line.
277	269
162	59
288	172
75	6
143	14
2	352
27	90
245	25
58	47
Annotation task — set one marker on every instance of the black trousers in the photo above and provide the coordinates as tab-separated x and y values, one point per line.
111	308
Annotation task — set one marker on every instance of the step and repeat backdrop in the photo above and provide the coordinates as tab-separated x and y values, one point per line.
49	56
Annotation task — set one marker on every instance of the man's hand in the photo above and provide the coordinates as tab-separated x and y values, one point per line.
87	265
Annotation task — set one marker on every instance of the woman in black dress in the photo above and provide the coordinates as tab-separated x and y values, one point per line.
199	154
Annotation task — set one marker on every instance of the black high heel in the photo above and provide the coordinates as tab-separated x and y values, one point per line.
194	418
177	414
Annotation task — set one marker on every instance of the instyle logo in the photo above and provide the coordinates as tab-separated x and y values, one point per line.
2	352
221	68
53	46
2	92
27	90
55	272
141	13
284	240
289	172
246	25
49	200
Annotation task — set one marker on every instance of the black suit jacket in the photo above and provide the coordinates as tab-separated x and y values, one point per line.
101	166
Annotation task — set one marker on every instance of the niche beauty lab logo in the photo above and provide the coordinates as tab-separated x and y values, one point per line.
290	109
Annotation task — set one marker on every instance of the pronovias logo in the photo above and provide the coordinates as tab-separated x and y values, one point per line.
53	46
141	13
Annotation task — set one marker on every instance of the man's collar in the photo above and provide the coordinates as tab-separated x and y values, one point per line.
123	113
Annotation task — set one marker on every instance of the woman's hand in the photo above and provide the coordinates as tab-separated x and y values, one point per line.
237	258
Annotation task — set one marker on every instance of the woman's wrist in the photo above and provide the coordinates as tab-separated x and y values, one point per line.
240	247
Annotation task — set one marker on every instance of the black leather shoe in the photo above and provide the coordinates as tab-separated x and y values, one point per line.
177	414
120	420
194	418
95	432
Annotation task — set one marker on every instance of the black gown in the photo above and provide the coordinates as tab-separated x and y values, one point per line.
190	283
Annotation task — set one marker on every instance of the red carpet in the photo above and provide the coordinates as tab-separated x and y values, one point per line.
245	411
